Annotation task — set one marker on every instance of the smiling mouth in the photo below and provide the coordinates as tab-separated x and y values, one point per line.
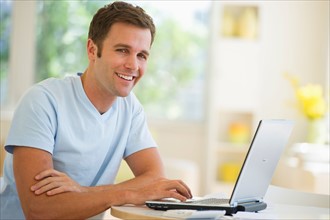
128	78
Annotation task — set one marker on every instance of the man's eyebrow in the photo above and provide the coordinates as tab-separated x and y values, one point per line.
128	46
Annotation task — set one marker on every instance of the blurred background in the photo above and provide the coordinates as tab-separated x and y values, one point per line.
216	69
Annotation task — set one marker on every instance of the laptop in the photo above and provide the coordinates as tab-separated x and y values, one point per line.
268	143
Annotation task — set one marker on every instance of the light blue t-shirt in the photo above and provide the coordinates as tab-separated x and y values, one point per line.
57	116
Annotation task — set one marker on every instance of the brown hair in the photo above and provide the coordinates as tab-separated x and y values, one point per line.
118	12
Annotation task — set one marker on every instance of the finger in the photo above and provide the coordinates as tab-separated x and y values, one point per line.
180	188
42	183
187	188
176	195
47	173
48	184
48	187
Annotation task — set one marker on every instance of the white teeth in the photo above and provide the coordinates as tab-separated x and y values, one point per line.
125	77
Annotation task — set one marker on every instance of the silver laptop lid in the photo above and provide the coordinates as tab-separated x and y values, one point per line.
261	160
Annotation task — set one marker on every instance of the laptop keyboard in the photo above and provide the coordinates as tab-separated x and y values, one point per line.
209	201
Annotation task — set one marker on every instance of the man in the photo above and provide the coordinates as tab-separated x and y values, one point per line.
68	136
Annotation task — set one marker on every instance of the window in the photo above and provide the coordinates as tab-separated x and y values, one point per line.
5	18
62	31
173	87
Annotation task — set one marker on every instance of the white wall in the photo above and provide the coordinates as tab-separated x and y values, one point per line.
295	38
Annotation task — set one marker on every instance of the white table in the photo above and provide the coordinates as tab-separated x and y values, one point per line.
282	203
273	211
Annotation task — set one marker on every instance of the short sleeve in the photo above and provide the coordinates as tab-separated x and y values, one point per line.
34	123
140	137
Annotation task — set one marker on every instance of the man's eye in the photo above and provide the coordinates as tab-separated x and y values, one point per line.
122	50
143	56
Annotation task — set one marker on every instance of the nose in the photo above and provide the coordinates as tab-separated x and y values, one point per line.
132	63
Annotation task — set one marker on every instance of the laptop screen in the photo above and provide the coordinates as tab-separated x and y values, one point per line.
261	160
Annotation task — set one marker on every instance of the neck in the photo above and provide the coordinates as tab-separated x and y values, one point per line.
101	100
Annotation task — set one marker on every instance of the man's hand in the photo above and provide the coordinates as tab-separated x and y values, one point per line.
159	189
150	182
53	182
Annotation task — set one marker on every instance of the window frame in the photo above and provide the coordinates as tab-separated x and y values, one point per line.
20	77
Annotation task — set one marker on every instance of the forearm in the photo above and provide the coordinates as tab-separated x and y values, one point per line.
34	176
88	202
141	180
72	205
146	166
134	183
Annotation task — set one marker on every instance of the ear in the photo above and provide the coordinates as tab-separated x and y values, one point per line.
91	50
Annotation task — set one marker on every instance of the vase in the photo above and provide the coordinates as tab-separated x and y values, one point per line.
317	133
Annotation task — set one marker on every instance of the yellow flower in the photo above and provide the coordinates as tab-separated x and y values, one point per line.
311	101
310	98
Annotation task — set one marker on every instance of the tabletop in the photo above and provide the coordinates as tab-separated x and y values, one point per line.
136	212
273	211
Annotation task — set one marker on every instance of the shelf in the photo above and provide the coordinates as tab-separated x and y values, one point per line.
226	147
234	127
233	114
240	21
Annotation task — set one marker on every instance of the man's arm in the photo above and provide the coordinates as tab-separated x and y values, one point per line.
30	162
147	166
146	161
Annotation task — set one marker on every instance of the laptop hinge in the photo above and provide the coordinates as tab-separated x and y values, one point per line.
251	206
242	201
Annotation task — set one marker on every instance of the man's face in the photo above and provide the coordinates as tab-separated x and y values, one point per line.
123	59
